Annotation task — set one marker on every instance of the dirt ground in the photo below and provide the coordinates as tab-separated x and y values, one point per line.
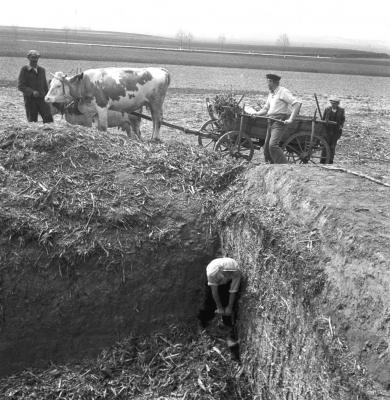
364	146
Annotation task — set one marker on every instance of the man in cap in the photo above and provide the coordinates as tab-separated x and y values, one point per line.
279	102
335	114
33	84
223	281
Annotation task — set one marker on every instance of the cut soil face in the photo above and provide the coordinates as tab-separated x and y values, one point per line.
314	308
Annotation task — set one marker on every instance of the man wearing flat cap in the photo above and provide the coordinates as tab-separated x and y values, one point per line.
335	114
223	284
223	281
280	105
33	84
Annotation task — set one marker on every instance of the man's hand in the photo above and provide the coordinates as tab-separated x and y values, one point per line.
220	311
288	121
35	93
228	311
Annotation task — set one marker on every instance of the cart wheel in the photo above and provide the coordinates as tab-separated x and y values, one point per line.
212	131
301	148
229	143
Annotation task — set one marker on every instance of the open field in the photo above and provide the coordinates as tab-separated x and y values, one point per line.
121	38
143	49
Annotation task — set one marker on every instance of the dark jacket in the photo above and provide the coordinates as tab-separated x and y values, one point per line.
29	81
338	116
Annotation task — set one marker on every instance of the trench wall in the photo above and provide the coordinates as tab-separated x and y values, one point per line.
53	310
314	315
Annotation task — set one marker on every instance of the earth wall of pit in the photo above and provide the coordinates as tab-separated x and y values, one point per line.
314	310
59	311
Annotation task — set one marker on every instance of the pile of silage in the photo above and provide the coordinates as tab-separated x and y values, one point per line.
173	365
79	192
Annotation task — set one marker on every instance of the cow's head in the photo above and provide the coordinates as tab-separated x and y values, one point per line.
59	90
64	90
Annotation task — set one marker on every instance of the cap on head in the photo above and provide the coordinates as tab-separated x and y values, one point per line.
274	77
33	54
334	99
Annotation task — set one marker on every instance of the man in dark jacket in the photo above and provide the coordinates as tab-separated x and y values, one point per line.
33	84
334	113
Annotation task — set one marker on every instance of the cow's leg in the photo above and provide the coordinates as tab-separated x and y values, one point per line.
126	127
135	123
102	118
156	111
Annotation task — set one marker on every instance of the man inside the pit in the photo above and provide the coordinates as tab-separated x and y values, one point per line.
281	105
335	114
223	283
33	84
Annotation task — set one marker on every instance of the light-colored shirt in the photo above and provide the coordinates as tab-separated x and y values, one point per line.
223	270
279	102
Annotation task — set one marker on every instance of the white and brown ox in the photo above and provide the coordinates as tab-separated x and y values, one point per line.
117	89
86	116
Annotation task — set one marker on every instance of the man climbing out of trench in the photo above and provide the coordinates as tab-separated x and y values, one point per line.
223	283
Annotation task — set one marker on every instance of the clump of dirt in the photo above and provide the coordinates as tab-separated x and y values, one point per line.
174	364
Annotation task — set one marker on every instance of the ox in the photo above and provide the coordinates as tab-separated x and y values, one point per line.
117	89
115	119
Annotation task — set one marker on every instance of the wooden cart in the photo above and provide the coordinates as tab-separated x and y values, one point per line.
305	140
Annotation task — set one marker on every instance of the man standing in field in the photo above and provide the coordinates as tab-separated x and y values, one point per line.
277	107
335	114
33	84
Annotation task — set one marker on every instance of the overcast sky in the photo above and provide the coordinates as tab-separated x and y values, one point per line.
302	20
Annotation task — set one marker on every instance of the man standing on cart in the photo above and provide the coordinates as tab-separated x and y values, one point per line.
277	106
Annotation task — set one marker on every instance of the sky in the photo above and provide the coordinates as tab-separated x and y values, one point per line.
246	20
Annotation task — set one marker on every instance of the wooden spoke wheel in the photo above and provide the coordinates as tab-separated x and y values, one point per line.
302	148
211	131
230	144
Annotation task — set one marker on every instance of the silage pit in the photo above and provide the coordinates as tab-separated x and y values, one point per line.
101	241
77	261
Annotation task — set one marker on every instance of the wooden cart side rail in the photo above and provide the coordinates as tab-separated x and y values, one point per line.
296	119
170	125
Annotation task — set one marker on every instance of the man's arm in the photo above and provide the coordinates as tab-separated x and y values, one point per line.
325	115
45	85
23	84
265	109
229	308
234	286
215	294
288	97
342	118
295	111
